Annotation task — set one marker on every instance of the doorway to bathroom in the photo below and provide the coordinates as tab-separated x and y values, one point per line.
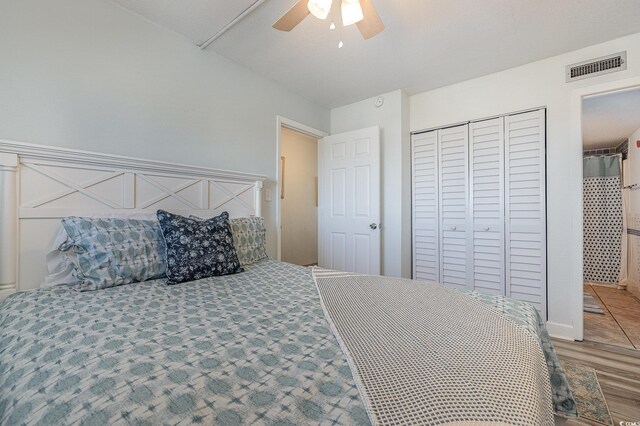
611	224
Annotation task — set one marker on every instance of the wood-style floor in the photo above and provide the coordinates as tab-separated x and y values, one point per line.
620	324
618	371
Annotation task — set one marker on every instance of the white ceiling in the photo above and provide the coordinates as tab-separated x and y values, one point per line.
197	20
426	44
609	119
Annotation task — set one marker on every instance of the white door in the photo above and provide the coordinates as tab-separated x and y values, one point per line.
454	209
424	167
350	202
487	204
525	208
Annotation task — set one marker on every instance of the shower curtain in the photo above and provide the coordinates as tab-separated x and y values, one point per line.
603	220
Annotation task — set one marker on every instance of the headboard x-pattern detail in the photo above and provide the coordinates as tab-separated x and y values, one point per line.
40	184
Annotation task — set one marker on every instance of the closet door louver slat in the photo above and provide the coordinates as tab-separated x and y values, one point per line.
453	169
525	208
426	259
487	205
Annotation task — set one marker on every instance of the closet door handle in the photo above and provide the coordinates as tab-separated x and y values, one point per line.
453	228
486	228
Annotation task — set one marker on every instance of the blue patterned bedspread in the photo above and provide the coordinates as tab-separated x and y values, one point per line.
251	348
242	349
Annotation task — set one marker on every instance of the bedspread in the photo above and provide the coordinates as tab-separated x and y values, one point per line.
250	348
525	315
425	354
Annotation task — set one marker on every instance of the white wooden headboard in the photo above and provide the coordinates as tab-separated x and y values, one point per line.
39	185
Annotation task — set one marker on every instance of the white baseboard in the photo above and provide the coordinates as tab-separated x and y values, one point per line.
561	331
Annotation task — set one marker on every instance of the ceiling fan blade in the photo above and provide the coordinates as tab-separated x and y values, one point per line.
371	25
293	17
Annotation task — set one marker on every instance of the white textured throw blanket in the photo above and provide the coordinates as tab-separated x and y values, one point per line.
425	354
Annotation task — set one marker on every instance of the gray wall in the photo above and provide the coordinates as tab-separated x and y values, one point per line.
90	75
393	119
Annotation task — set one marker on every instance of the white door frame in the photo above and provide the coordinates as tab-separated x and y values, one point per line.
576	174
307	130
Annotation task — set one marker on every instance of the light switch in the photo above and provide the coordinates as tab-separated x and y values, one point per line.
267	194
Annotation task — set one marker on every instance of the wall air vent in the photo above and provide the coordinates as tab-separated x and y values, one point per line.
598	66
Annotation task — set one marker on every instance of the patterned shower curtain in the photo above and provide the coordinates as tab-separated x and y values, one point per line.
602	194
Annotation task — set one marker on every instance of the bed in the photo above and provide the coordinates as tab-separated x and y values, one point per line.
275	344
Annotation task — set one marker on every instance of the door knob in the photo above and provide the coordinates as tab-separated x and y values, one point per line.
453	228
373	226
486	228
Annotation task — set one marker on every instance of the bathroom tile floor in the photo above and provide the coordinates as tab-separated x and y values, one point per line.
620	324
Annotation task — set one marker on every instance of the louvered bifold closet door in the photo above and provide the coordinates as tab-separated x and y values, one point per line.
454	182
525	208
426	257
487	205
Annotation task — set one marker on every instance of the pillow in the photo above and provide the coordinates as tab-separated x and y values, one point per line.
198	249
249	239
114	252
62	265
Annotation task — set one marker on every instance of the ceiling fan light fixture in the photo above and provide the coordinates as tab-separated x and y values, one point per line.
319	8
351	12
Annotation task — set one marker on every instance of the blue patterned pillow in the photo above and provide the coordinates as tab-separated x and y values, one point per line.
114	252
198	249
249	239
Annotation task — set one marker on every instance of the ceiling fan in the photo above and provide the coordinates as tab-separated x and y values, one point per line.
359	12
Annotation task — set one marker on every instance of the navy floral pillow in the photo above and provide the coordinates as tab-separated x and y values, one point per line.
198	249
